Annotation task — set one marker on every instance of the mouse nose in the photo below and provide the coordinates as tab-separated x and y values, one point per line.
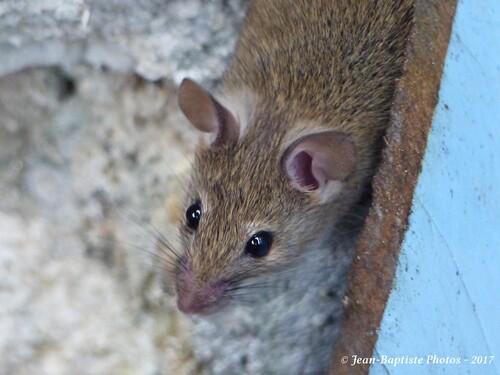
195	297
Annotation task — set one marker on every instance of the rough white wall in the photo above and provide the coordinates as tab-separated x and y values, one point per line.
76	296
156	38
90	156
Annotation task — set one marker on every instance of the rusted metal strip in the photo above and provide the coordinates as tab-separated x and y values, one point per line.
371	274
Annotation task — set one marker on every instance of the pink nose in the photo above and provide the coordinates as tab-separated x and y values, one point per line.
195	297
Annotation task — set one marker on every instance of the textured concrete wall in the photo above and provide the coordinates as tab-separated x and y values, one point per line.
91	155
154	38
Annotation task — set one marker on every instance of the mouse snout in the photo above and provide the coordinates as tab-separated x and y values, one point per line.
196	297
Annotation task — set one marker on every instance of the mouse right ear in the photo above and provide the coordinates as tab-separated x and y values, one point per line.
316	163
205	113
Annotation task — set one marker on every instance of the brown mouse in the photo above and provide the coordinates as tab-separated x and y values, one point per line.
291	139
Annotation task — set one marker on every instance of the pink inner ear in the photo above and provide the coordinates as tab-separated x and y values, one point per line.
300	167
317	158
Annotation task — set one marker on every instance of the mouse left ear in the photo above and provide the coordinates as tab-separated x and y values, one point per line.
315	162
205	113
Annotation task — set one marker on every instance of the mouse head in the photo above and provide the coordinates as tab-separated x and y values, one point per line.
258	196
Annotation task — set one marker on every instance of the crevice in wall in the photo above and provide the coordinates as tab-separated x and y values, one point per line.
375	259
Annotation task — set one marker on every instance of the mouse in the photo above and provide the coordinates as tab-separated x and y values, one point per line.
289	141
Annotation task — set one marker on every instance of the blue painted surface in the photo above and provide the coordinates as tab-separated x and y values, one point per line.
446	299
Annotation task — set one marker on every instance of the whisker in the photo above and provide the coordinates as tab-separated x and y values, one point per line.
244	287
153	235
137	248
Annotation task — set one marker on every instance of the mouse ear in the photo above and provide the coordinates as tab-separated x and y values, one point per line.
206	114
315	161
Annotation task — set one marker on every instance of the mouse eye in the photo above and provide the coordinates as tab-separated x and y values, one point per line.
259	244
193	215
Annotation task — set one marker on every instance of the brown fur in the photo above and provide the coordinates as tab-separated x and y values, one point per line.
310	65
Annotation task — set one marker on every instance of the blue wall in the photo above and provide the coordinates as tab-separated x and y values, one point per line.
446	298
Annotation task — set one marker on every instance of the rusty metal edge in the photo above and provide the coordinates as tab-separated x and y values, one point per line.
372	271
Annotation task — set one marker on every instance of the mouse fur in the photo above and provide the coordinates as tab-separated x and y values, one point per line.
291	138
